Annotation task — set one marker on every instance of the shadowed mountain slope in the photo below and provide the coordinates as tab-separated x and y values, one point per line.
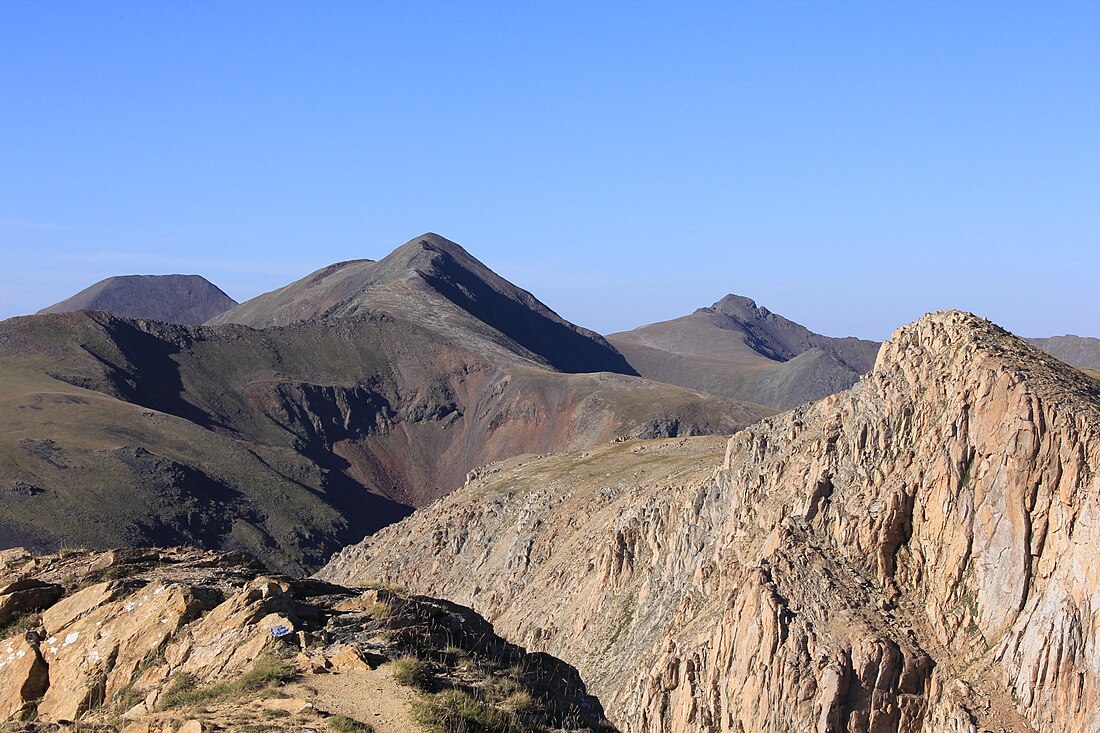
186	299
288	442
737	349
1080	351
437	284
916	554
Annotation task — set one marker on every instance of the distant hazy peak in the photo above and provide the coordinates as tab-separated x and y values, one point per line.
1080	351
184	299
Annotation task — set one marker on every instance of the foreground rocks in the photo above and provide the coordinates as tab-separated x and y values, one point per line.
915	554
184	640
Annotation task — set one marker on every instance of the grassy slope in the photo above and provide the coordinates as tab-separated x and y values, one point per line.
66	441
284	442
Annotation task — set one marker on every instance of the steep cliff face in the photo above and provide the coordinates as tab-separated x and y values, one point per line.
914	554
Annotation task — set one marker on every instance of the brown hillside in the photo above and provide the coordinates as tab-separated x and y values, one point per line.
286	442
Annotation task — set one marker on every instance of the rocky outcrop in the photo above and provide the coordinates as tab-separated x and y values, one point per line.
914	554
145	640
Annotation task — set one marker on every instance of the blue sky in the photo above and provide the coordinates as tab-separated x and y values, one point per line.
849	165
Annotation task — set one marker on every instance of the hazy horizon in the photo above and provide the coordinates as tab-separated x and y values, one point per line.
849	167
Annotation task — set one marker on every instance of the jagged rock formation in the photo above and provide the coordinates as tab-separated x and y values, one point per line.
292	441
1080	351
914	554
145	639
186	299
740	350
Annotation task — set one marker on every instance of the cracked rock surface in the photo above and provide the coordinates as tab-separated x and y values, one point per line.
915	554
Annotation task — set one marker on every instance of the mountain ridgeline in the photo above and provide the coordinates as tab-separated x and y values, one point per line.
916	554
379	391
435	282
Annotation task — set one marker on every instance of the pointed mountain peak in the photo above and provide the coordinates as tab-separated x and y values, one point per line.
434	282
735	304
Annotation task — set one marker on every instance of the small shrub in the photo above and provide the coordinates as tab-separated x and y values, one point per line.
412	672
452	711
20	624
344	724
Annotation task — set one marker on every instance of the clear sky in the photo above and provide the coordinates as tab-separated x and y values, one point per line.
849	165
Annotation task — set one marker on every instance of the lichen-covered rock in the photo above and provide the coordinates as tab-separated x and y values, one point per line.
914	554
23	677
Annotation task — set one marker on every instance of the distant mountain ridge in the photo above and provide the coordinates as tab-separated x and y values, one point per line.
184	299
740	350
1079	351
433	280
381	391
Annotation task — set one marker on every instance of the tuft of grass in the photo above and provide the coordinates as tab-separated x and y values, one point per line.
20	624
520	701
452	711
380	612
344	724
265	672
412	672
126	698
500	688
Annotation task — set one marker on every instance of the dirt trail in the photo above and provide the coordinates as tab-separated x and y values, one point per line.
369	696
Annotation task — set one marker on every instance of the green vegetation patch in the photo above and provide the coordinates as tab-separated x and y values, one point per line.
344	724
265	672
413	672
453	711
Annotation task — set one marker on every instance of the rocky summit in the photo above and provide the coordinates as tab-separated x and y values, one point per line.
916	554
187	641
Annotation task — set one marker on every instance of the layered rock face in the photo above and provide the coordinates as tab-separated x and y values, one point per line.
914	554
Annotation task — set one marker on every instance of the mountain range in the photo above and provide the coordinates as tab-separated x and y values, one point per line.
532	533
293	440
740	350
